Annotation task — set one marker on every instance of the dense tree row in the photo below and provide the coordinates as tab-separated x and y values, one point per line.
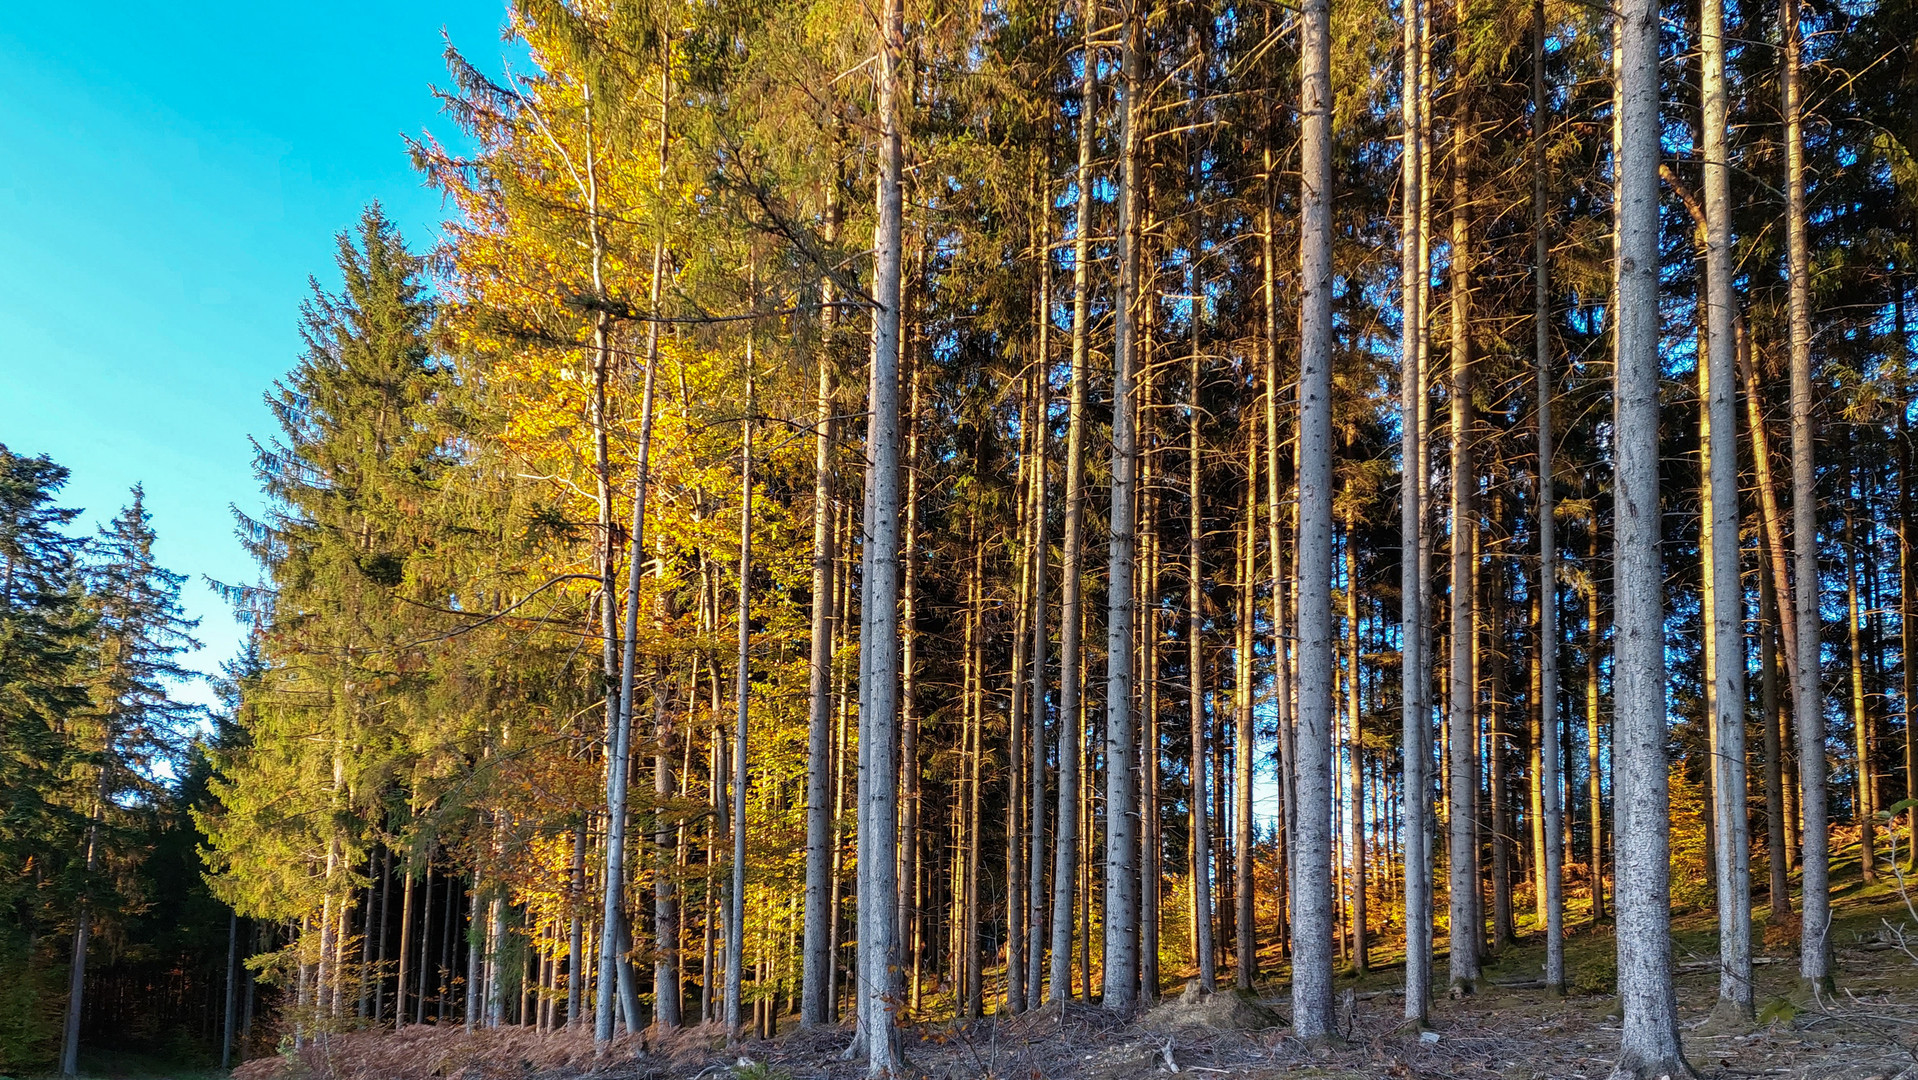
101	765
1278	484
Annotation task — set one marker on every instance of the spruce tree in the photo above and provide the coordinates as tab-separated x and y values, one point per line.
135	732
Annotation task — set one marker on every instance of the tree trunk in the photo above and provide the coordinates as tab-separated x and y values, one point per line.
1498	739
1648	1045
76	986
1121	974
1245	948
1281	670
1863	810
1148	589
406	951
1355	814
1312	1013
1552	855
1777	834
1071	741
911	847
1907	638
1814	950
1201	832
742	685
1726	588
1035	898
971	745
879	613
1594	772
1465	930
1415	709
1032	435
815	995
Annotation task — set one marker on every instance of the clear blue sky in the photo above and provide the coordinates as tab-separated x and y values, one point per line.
170	176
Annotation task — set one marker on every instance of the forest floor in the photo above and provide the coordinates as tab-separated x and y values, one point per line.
1510	1030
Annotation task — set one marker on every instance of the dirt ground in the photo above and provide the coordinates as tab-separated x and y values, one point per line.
1511	1030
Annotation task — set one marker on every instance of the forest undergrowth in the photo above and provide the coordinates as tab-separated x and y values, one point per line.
1510	1030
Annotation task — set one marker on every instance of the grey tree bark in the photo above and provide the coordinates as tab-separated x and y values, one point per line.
1462	840
1312	1012
1416	710
1245	950
1548	748
613	967
879	602
815	994
1648	1044
1203	947
1121	975
742	685
1727	590
1035	898
1071	740
1808	710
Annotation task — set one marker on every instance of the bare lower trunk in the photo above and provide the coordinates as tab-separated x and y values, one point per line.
1071	740
1245	949
1416	713
1814	948
1551	855
815	994
1204	955
1462	849
742	683
1121	975
1312	1013
1648	1044
1355	761
1035	854
1726	588
879	612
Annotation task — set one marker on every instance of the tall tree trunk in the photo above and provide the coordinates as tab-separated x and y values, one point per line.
1498	740
1907	616
1777	830
1035	898
77	964
1150	842
1648	1045
879	612
617	670
815	995
1726	587
1204	952
1814	948
1121	974
1863	810
1465	924
1274	524
665	905
1071	741
912	846
1355	814
1032	436
1552	854
1416	711
406	951
1245	948
974	1005
1594	756
1312	1014
742	685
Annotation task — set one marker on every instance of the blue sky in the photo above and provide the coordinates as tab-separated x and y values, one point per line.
170	177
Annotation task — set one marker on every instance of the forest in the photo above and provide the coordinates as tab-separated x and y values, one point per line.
885	518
